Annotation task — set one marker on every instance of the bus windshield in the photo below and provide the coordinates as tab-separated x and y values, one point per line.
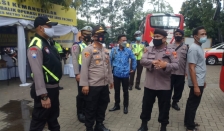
165	22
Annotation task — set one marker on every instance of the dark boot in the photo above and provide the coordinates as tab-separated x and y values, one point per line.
163	127
130	87
125	110
175	106
60	88
137	87
144	126
100	127
81	118
116	107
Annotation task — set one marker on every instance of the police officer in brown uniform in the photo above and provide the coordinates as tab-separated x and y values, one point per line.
159	62
178	76
95	76
46	67
77	49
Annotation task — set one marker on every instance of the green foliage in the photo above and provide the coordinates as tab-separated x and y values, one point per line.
200	13
123	16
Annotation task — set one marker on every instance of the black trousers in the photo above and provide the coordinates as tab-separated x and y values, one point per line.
117	87
177	85
96	104
80	102
193	102
139	73
41	116
149	97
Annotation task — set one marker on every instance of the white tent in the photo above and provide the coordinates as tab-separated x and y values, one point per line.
60	30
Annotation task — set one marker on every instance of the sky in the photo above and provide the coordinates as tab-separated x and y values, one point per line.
176	4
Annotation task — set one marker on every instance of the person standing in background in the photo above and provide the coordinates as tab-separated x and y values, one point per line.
77	48
178	76
196	77
138	50
120	63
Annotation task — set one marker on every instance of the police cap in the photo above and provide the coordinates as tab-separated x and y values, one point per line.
180	31
98	29
161	32
43	20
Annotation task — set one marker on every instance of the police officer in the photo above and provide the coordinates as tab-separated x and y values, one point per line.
160	61
47	71
77	49
120	62
61	52
95	76
138	49
178	76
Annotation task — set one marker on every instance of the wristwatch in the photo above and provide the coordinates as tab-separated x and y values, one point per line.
44	98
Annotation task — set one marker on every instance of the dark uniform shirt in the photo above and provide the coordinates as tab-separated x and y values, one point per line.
36	60
182	56
159	79
96	67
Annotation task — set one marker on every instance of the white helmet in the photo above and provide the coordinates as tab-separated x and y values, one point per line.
138	32
87	28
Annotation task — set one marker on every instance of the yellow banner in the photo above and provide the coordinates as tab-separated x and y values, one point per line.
66	41
31	9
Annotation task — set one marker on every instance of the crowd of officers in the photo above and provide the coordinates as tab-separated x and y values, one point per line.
97	70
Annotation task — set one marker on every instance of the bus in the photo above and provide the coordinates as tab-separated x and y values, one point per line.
168	22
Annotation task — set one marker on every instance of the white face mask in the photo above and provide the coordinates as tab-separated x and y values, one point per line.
49	32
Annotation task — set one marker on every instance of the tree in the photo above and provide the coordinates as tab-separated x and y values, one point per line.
200	13
161	6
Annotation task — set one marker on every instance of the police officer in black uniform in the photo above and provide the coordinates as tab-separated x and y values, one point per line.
46	67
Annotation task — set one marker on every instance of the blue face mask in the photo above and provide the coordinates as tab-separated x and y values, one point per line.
203	39
138	38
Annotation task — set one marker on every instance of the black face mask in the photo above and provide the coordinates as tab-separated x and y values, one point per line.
178	38
100	38
87	38
157	42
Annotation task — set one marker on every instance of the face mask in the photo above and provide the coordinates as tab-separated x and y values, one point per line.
203	39
157	42
87	38
124	44
138	38
49	32
178	38
100	39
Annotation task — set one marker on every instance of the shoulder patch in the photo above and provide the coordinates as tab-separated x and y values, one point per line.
174	54
87	54
74	47
33	53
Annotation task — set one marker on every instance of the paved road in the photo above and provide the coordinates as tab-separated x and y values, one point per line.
16	105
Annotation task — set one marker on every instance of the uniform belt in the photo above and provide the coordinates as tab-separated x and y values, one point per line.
52	85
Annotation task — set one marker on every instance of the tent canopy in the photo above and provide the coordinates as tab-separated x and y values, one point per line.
60	30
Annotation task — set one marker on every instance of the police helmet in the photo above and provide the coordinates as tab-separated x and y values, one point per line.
138	32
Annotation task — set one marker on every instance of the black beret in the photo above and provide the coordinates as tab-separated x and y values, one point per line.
178	30
161	32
